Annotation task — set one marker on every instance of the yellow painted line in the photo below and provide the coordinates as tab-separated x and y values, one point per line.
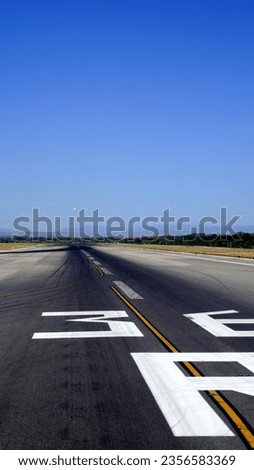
95	266
243	431
149	325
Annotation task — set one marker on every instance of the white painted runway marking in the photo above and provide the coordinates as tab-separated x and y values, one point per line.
88	313
116	328
217	326
99	265
105	270
127	290
184	408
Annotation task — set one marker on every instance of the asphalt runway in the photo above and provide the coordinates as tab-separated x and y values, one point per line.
124	348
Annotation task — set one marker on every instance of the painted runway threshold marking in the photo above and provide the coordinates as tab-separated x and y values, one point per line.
127	290
115	329
178	397
217	326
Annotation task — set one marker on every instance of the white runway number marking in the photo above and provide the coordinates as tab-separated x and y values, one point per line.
107	317
217	326
178	397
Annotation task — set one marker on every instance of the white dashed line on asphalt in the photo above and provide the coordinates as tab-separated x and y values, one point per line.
127	290
105	270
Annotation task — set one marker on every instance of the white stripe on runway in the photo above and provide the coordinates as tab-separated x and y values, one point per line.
88	313
105	270
119	329
127	290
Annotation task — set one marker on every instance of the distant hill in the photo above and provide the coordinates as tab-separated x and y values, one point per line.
137	230
5	232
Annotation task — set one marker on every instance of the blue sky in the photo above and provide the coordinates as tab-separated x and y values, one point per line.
129	106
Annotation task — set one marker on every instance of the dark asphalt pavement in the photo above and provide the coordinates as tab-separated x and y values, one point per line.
88	340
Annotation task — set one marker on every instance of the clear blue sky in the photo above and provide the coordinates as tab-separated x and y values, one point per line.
129	106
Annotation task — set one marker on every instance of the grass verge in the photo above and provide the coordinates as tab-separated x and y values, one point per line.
16	246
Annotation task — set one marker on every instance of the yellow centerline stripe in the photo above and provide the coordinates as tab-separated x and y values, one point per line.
96	267
244	432
151	327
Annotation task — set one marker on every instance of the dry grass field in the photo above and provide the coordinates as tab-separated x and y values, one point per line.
13	246
17	246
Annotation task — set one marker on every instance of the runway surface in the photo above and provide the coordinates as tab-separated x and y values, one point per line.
124	348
